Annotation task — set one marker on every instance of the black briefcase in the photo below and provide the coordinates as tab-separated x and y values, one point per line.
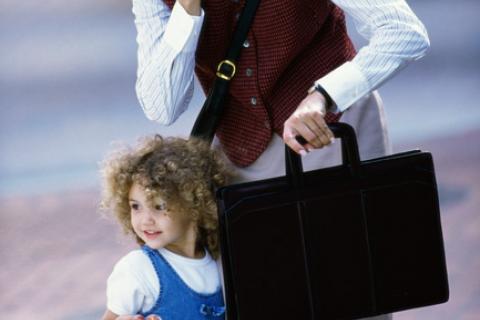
356	240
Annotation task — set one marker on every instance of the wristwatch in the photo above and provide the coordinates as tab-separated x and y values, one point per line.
329	102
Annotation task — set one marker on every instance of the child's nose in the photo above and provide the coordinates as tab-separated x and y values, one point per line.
147	217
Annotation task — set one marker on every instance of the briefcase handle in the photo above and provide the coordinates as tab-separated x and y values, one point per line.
350	154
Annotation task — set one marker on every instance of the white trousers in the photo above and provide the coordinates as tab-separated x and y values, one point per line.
367	118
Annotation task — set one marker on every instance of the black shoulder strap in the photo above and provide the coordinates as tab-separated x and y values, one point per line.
211	111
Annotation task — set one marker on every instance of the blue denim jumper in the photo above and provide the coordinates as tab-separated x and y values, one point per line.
176	300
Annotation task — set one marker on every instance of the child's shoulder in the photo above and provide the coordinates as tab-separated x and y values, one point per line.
131	282
134	261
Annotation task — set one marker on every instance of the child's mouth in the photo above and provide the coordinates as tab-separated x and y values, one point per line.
151	234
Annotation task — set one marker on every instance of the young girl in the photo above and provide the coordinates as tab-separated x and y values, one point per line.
161	192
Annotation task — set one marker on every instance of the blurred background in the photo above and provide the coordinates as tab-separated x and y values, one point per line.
67	76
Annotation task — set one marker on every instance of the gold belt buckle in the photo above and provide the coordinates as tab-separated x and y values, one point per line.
226	76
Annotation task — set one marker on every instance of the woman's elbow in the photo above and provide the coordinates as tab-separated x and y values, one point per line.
420	41
161	104
154	108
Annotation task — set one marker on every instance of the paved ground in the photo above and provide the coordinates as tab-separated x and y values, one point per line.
66	92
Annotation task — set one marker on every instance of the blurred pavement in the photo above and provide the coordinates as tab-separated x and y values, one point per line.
67	75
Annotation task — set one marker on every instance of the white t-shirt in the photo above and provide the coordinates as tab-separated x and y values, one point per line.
133	286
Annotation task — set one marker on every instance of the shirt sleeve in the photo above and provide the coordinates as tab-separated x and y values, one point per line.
125	291
167	40
395	37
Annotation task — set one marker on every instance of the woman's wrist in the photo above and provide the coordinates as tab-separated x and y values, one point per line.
316	88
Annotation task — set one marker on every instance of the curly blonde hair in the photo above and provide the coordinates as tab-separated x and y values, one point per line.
185	173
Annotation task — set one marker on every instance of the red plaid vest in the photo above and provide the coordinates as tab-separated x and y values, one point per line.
291	44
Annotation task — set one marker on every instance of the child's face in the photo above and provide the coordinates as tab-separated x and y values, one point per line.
158	227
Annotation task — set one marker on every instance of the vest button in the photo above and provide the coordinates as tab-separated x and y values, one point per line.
253	101
246	44
267	124
242	149
249	72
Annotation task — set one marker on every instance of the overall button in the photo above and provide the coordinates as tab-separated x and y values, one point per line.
237	16
249	72
246	44
253	101
267	124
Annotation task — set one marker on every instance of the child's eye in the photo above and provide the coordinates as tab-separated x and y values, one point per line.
161	207
134	206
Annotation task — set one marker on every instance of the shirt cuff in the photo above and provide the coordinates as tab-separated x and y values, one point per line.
345	85
183	30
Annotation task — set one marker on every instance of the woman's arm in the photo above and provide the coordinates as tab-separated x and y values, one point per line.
112	316
395	37
167	41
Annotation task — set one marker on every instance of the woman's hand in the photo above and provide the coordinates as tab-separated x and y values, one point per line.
112	316
139	317
308	121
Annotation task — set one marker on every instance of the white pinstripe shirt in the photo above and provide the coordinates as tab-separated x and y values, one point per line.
167	41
